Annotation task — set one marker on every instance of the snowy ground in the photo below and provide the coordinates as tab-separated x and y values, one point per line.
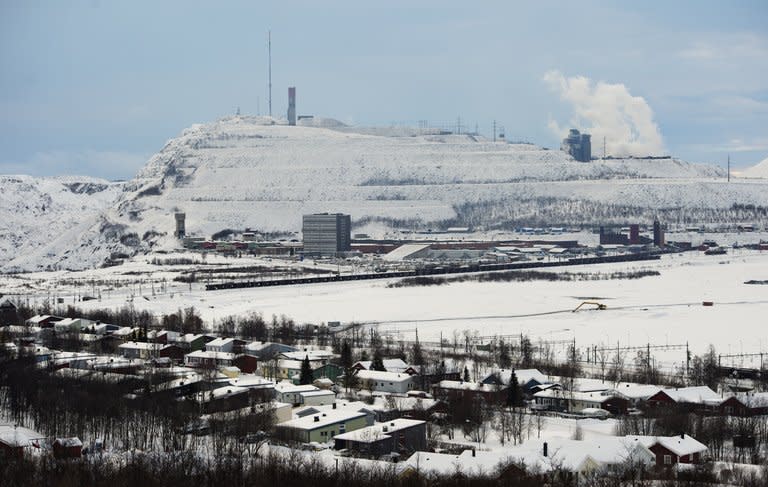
659	310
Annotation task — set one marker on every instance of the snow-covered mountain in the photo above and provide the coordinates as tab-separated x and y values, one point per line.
759	170
256	172
41	217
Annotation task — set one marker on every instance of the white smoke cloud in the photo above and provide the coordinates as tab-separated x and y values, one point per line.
610	111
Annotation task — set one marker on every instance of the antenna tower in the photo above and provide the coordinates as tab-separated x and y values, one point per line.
269	50
603	147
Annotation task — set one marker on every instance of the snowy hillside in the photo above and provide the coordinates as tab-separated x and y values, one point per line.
255	172
41	217
759	170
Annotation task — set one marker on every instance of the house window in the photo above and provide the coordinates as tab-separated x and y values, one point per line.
729	410
342	428
667	459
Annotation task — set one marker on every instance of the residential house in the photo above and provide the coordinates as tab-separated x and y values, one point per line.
248	364
67	448
565	456
341	405
192	342
13	440
208	360
321	427
43	321
671	450
317	398
281	369
699	399
575	402
453	390
291	393
139	350
327	371
228	345
71	325
390	365
172	351
526	378
756	402
267	350
8	313
402	436
316	357
388	382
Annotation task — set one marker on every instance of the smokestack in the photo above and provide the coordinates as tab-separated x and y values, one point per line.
545	448
292	105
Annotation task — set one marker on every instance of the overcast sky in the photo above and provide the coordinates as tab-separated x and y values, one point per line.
96	87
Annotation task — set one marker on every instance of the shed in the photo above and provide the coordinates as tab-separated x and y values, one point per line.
67	447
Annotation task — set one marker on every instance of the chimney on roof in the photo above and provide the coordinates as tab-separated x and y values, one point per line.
474	453
545	448
334	405
317	419
682	436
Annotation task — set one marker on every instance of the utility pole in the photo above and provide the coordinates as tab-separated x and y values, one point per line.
729	168
269	49
603	147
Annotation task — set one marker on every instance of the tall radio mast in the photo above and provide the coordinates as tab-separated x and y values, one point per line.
269	49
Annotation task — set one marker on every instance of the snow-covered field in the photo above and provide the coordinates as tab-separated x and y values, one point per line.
659	310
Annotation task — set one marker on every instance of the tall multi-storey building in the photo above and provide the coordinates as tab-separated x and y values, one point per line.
578	145
326	234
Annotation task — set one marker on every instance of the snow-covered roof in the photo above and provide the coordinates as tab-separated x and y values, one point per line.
404	252
324	418
693	395
383	376
250	380
69	442
390	364
212	355
317	393
286	387
225	391
467	386
378	431
311	354
596	397
17	435
37	319
219	342
523	376
680	445
139	346
400	403
339	404
754	400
